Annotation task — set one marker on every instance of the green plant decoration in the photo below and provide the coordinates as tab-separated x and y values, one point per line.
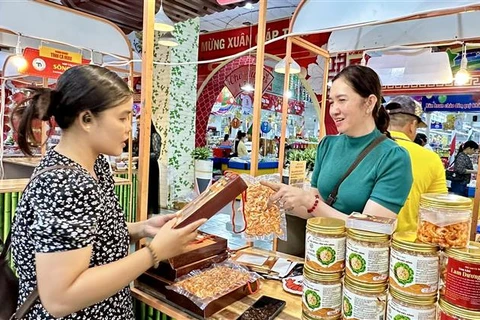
201	153
326	255
403	273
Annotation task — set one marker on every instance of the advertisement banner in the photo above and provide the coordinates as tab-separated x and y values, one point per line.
47	52
46	67
451	103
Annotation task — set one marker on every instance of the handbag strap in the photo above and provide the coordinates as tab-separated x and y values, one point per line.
332	197
32	296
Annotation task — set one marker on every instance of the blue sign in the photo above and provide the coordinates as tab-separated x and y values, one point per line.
451	103
436	125
266	127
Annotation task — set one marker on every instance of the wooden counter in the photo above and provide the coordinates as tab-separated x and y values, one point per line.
23	161
273	288
17	185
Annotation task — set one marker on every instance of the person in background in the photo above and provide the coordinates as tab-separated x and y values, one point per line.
380	183
240	148
154	172
226	142
463	167
69	236
428	171
421	139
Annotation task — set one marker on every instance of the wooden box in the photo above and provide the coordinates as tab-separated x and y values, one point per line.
159	284
212	200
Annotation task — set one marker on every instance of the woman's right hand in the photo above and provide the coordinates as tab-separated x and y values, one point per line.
170	242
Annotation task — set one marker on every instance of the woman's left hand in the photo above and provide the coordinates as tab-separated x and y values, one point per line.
153	225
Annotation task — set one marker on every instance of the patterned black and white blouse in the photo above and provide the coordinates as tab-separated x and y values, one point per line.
462	164
67	209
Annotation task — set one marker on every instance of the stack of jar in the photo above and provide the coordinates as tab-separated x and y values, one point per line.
324	268
445	221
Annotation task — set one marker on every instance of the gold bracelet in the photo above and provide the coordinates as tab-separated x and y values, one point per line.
155	259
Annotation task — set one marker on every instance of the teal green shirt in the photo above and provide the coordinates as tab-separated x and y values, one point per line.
384	175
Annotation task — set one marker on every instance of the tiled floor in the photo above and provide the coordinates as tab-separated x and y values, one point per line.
220	224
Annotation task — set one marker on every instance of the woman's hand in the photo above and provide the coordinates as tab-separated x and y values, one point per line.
153	225
170	242
288	197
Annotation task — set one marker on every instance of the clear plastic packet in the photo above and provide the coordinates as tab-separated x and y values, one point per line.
207	285
262	222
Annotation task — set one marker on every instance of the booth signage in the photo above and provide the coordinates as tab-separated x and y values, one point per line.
451	103
436	125
57	54
244	74
45	67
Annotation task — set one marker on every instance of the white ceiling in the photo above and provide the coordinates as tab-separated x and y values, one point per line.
228	19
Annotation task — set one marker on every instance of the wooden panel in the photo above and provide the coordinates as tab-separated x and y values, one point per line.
128	14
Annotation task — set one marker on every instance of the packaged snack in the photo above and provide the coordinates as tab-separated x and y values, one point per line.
205	286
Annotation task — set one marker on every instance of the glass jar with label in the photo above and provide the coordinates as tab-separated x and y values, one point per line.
364	301
414	266
322	295
462	277
451	312
367	256
444	220
401	306
325	245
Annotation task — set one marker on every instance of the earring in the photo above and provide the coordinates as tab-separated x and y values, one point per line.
87	118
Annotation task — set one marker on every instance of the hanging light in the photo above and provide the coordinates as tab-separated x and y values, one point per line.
280	67
18	59
248	87
162	21
462	76
168	40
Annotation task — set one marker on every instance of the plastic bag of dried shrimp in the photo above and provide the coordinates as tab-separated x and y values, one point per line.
261	221
207	285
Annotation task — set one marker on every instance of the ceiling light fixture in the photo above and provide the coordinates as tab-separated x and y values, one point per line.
248	6
162	21
168	40
248	87
280	67
462	76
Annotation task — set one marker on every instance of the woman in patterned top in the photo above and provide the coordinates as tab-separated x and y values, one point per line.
463	167
69	236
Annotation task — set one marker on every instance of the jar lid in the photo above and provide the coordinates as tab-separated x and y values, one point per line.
408	241
367	235
416	300
459	312
445	200
471	253
326	225
365	287
322	277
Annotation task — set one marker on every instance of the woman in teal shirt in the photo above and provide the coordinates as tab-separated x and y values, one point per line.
381	182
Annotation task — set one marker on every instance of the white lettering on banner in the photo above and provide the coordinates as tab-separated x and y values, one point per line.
243	40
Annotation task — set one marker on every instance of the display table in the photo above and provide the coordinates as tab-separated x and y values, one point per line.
266	167
272	288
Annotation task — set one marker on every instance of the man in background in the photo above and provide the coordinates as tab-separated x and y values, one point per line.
428	171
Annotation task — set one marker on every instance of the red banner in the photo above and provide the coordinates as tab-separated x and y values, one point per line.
45	67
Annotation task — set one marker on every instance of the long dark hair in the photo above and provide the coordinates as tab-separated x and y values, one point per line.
365	82
81	88
468	144
240	136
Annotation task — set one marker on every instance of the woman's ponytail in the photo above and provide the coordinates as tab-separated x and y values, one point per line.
40	105
382	119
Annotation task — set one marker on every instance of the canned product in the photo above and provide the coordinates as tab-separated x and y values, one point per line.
367	256
450	312
414	266
401	306
325	245
322	295
462	278
363	301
